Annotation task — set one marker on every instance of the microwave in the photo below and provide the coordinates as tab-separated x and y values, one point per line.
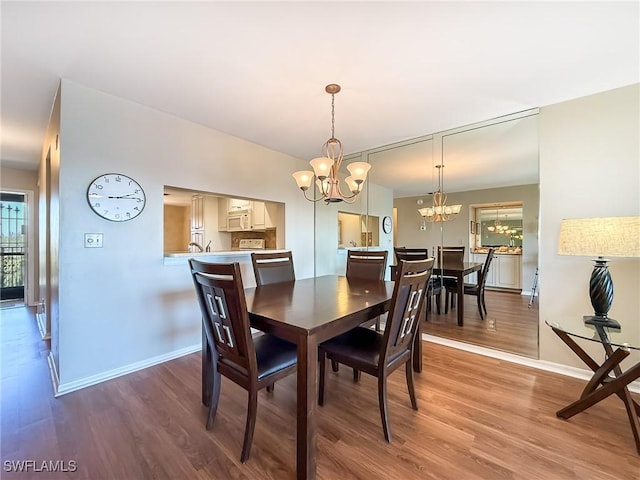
239	222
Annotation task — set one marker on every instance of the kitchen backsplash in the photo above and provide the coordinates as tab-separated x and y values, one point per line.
269	237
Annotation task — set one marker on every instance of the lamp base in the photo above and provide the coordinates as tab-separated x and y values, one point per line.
601	321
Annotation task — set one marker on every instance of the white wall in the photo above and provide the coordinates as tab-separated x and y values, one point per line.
120	305
589	167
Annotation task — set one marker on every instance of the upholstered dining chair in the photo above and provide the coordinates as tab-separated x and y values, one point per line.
435	286
476	289
273	267
252	363
379	354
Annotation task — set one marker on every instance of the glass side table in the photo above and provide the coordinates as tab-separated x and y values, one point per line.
603	383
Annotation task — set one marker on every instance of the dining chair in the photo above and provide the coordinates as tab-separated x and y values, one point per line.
273	267
253	363
367	265
435	286
477	289
379	354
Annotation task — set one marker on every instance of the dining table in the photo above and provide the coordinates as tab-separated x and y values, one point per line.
455	269
307	312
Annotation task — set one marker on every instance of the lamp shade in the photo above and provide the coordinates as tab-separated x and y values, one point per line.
600	237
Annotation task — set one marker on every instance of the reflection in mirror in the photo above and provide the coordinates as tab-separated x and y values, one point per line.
499	227
356	230
488	165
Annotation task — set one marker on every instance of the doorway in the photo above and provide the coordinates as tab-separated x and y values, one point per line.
13	247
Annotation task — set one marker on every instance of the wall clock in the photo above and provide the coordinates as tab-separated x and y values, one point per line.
116	197
386	224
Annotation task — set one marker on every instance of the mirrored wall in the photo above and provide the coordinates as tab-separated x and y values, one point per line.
486	168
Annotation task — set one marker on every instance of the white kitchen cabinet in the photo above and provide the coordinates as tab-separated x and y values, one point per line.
264	215
504	271
204	215
508	271
238	204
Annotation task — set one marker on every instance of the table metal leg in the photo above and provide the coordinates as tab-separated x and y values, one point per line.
306	408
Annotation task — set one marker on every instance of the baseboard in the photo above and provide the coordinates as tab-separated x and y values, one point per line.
520	360
42	327
53	372
64	388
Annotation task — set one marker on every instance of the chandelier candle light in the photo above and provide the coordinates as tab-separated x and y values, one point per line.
440	212
326	168
597	237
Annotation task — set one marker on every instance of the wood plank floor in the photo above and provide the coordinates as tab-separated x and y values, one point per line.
479	418
509	326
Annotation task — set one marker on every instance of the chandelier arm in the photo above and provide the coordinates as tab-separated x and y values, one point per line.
304	192
347	197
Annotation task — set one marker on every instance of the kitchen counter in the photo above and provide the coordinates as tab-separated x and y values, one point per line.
180	258
497	252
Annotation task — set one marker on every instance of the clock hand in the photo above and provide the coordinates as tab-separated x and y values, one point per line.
128	195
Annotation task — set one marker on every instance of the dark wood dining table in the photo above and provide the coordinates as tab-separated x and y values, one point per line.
307	312
459	270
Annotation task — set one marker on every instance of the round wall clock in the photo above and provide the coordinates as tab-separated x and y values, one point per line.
386	224
116	197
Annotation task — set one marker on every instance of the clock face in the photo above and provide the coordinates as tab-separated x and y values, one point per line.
116	197
386	224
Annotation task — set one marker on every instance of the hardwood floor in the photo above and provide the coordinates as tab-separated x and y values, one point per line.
510	325
478	418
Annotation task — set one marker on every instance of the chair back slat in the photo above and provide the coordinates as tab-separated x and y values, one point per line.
366	264
403	320
482	276
451	255
273	267
403	253
224	313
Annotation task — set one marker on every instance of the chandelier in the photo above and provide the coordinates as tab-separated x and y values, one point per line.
440	211
326	168
497	227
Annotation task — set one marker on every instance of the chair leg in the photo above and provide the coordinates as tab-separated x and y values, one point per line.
334	366
484	305
215	397
438	301
378	323
323	358
271	387
382	400
479	297
446	301
252	407
412	391
356	375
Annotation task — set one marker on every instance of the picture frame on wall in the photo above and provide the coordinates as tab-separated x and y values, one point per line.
472	227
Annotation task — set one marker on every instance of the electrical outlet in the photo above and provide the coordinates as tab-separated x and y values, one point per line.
92	240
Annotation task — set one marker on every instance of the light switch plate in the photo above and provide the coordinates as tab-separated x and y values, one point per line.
92	240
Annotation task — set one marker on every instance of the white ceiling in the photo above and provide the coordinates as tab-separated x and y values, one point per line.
258	70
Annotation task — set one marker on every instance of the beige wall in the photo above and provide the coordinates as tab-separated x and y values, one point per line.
589	167
176	228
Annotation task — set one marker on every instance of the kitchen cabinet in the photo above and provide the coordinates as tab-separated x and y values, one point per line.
264	215
504	272
238	204
204	215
